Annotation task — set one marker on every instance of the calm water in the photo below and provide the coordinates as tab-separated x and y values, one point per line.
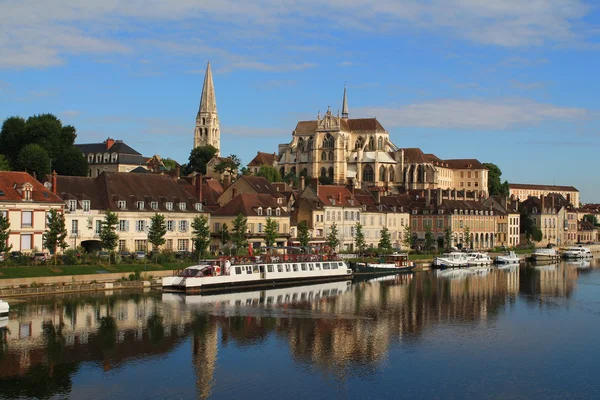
500	333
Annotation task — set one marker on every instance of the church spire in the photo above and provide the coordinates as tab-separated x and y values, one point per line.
345	105
208	102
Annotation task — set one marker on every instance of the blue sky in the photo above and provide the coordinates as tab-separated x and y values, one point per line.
506	81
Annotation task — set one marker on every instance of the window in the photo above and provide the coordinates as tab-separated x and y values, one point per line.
217	227
198	206
169	244
154	205
123	225
183	226
468	184
259	211
269	211
26	219
279	200
140	205
277	211
169	205
182	206
140	225
26	242
74	227
260	227
72	205
122	245
462	184
86	205
122	204
140	245
182	244
98	227
476	184
346	215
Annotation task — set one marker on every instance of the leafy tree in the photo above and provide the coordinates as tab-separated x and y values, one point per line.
448	237
200	235
271	232
225	236
108	232
408	240
332	237
495	185
325	180
45	130
467	232
71	162
429	239
536	233
591	218
56	233
4	165
199	157
12	137
269	172
303	234
170	164
157	232
230	165
245	171
291	179
4	234
34	160
531	231
359	238
385	242
239	231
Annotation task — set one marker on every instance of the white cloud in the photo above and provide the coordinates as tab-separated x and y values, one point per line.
474	114
70	113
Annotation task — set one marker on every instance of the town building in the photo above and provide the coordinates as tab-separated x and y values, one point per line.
224	177
135	198
544	214
111	156
342	209
208	131
25	202
261	158
587	232
252	185
508	220
523	191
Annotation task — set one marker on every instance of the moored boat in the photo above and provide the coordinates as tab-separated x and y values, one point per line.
227	274
577	252
476	259
454	259
4	309
390	263
545	255
510	257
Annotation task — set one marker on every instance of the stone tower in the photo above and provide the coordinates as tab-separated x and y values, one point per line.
345	105
207	121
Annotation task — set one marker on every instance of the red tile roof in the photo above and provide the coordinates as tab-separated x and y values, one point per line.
340	195
263	159
12	181
248	203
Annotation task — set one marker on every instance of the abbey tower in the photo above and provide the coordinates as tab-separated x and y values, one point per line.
207	130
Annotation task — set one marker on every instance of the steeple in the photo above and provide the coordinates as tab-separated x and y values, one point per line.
207	130
345	105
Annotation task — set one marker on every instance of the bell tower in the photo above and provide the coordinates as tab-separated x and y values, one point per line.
207	130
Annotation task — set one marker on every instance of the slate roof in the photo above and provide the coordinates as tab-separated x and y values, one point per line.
357	125
527	186
261	185
464	163
10	181
247	204
118	147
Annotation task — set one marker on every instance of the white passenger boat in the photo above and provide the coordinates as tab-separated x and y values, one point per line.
476	259
509	257
577	252
4	309
454	259
226	274
390	263
545	255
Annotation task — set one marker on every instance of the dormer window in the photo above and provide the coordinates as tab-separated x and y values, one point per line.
169	205
455	211
351	201
491	212
198	206
106	157
90	158
277	211
414	212
122	204
85	204
140	205
364	207
333	202
182	206
72	205
154	205
461	212
269	211
113	157
440	212
98	158
279	200
259	211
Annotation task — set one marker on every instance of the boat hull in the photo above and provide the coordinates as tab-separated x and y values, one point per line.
4	309
375	269
545	257
577	256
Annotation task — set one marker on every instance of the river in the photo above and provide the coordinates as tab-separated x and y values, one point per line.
501	333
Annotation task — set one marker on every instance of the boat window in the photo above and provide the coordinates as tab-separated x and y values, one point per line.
333	292
318	265
303	296
238	302
270	268
325	265
270	300
333	265
341	264
311	267
255	268
280	268
279	298
325	293
295	297
303	265
295	267
238	270
249	269
261	268
287	268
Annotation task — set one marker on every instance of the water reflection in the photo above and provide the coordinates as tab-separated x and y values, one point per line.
339	329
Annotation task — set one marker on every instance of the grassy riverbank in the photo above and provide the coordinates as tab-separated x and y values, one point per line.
66	270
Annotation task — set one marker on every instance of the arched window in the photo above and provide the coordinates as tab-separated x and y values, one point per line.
203	121
113	157
392	177
293	171
368	175
331	156
106	157
371	143
324	156
328	141
99	158
382	173
301	144
310	143
360	142
323	172
330	173
304	172
90	158
380	143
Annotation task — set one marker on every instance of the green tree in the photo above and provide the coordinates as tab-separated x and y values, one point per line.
303	234
4	164
495	185
170	164
225	236
34	160
591	218
12	138
408	240
157	232
385	242
4	234
291	179
271	232
269	172
325	180
71	163
448	237
359	238
56	233
245	171
467	232
200	235
429	239
230	165
332	237
199	157
108	233
239	233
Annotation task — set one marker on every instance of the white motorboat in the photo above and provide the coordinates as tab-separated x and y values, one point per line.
4	309
225	275
454	259
579	264
545	255
476	259
510	257
391	263
577	252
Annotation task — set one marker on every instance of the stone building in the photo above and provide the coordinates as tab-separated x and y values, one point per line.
111	156
208	131
523	191
25	203
269	159
544	215
508	220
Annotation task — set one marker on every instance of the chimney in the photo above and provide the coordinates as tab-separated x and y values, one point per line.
198	178
178	171
339	197
378	197
428	198
553	204
542	199
226	181
54	182
350	188
301	183
233	192
109	142
439	197
569	197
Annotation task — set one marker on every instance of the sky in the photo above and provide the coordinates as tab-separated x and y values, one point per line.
511	82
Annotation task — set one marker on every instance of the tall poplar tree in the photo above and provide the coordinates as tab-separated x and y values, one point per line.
4	234
157	232
303	235
271	232
239	233
56	233
200	235
359	238
332	237
385	242
108	233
